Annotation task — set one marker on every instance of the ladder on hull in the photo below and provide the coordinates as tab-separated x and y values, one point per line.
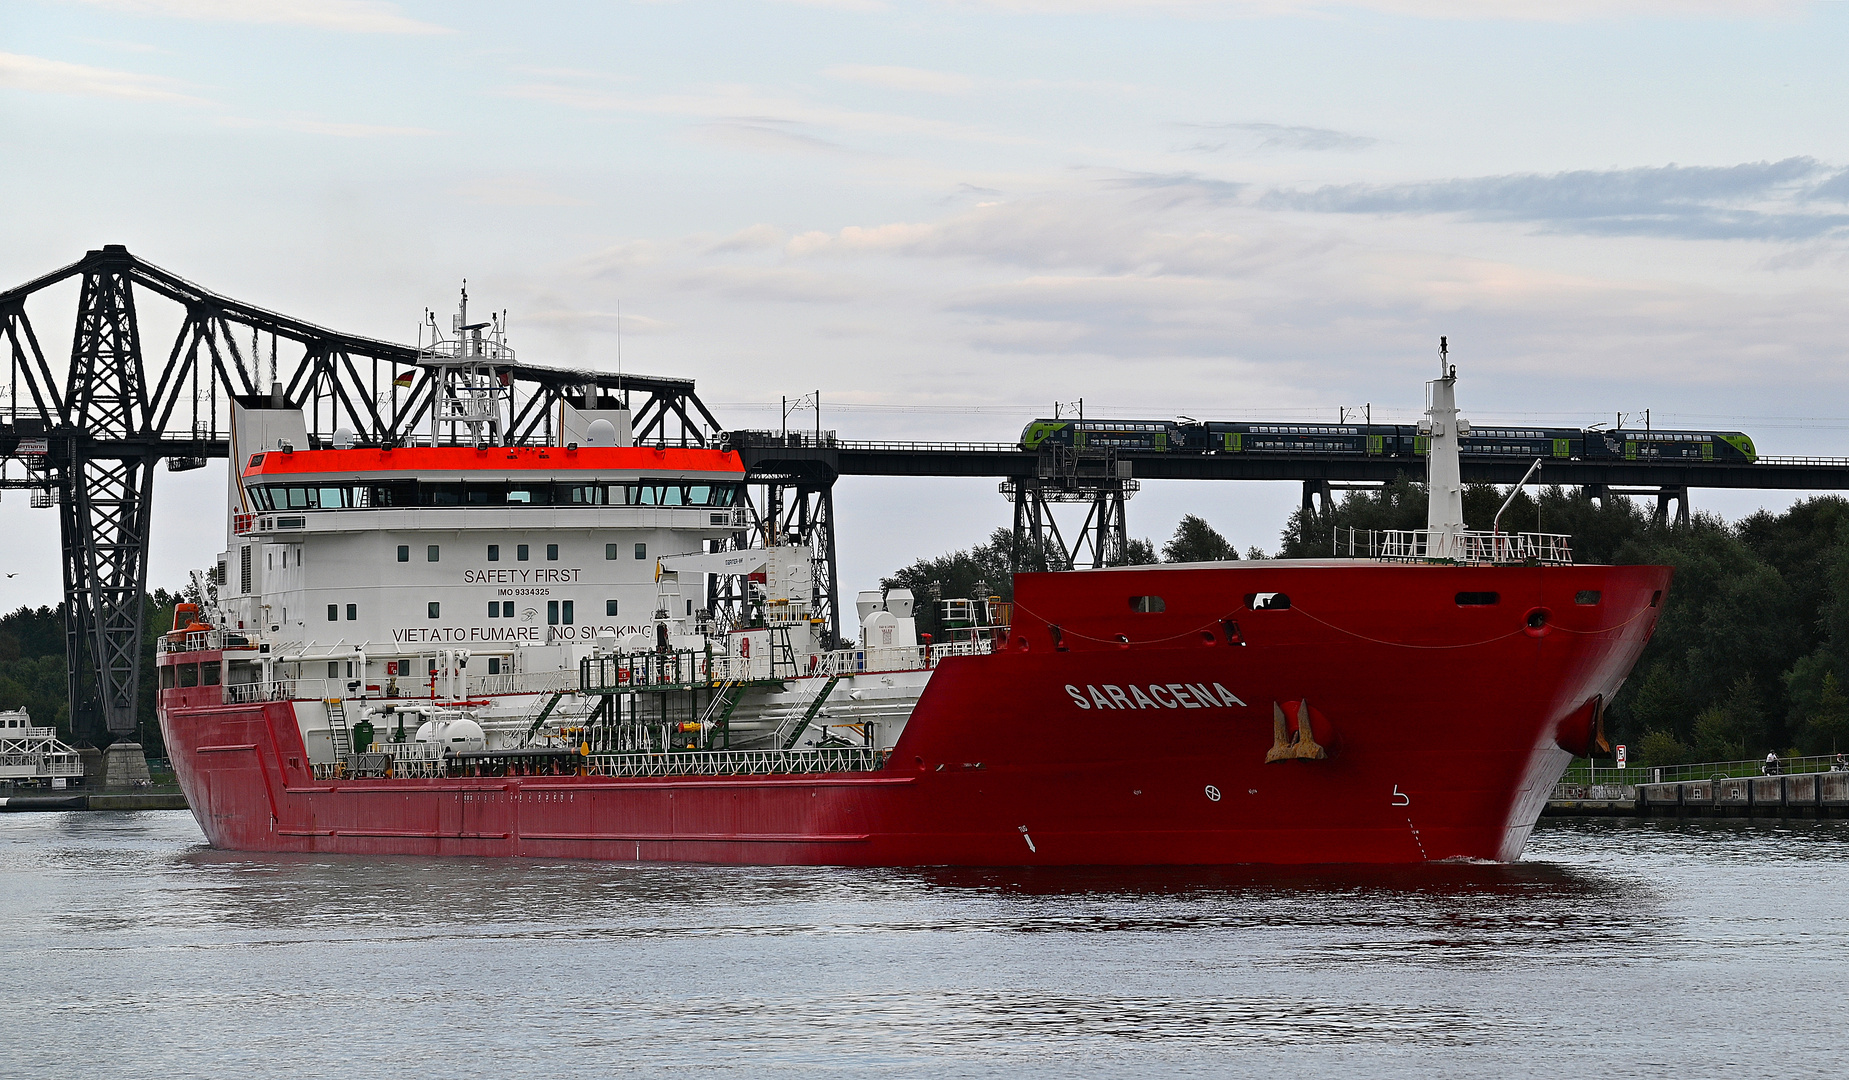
337	731
801	721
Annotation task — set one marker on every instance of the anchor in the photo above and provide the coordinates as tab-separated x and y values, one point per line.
1297	745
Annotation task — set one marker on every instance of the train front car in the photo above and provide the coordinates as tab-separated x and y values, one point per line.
1657	445
1154	435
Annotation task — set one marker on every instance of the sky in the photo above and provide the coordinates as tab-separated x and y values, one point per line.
948	216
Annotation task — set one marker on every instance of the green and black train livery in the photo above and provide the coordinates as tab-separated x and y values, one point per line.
1387	440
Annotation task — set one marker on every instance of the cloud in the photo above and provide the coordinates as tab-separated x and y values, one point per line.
1460	10
355	131
755	238
744	105
903	78
768	133
1283	137
514	191
770	283
44	76
1757	200
630	322
343	16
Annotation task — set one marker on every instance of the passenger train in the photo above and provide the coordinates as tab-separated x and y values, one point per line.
1387	440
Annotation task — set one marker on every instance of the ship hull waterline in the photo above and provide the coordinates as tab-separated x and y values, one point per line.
1444	727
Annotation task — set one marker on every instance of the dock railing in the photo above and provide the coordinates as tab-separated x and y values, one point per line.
1579	774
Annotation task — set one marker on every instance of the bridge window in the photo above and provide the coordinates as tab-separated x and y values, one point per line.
1586	596
609	551
1147	603
641	551
353	612
404	555
520	553
1477	599
433	553
333	613
1267	601
609	608
189	674
494	553
167	677
436	609
552	553
208	674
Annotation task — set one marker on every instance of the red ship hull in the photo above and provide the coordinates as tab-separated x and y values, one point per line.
1446	727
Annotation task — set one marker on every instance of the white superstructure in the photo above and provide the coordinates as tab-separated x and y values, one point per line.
448	596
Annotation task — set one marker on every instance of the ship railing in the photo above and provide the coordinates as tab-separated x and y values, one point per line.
807	760
203	640
249	693
406	759
1424	545
464	350
37	763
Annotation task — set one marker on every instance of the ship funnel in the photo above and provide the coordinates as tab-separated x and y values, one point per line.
1444	508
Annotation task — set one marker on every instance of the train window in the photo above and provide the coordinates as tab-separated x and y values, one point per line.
1586	596
1267	601
1477	599
1147	603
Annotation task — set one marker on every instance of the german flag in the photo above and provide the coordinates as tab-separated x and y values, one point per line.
404	381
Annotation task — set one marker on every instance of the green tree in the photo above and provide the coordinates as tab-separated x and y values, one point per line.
1197	541
981	571
1734	727
1136	553
1662	748
1826	729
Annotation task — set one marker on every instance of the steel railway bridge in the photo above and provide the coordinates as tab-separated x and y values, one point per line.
85	432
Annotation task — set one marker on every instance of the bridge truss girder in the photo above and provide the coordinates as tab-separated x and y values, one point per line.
90	441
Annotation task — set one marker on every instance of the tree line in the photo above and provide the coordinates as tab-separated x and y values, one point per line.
32	670
1750	654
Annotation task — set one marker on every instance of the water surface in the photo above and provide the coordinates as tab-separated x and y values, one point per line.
1615	949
